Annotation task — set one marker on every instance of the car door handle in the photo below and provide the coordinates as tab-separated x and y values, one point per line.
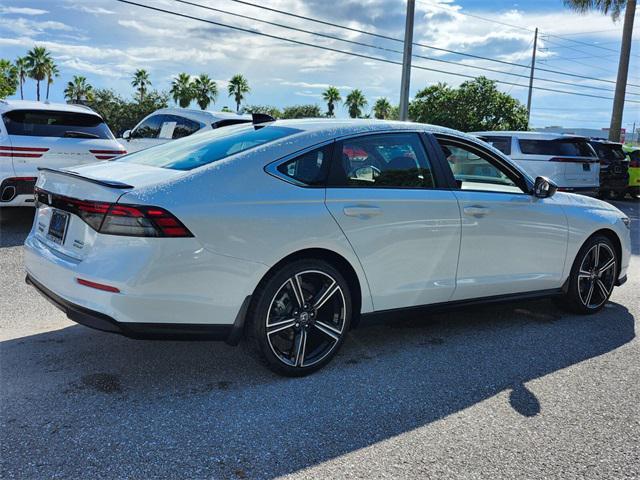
476	211
362	211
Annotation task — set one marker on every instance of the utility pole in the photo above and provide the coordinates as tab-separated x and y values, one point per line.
406	61
623	72
533	68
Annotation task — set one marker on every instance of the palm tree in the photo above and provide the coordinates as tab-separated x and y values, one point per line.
382	108
614	7
355	102
38	64
205	90
238	86
52	72
141	82
78	90
23	71
331	95
182	90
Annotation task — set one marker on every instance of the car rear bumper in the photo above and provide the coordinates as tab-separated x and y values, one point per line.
171	287
144	331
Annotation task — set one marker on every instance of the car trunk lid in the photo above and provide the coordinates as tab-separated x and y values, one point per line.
65	194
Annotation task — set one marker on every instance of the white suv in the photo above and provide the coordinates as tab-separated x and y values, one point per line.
171	123
37	135
568	160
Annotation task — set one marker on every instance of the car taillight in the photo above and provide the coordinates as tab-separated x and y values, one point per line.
635	163
119	219
142	221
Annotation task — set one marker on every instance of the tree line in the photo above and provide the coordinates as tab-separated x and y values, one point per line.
474	105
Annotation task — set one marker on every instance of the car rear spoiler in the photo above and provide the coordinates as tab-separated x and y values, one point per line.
97	181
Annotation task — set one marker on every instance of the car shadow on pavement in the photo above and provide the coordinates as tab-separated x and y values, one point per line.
81	403
15	223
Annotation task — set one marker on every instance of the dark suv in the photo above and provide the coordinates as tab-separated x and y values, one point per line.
614	168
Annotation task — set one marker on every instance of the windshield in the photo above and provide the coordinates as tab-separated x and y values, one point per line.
208	147
608	151
562	147
48	123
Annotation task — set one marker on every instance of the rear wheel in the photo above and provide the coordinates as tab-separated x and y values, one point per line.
299	317
593	276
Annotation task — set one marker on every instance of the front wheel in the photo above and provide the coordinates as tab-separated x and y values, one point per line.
299	317
593	276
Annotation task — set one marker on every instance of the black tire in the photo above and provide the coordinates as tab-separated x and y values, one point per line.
295	338
592	276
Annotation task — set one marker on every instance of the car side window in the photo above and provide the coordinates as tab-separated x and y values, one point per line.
394	160
501	143
184	127
473	169
309	168
150	128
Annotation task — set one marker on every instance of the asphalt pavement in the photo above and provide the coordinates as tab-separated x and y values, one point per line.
521	390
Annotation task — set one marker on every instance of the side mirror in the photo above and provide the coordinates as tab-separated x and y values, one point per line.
544	188
127	135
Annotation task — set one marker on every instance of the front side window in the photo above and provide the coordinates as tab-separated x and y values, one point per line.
45	123
394	160
559	147
473	170
208	147
309	168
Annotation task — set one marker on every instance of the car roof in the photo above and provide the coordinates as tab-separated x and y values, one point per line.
603	141
334	128
8	105
527	135
204	116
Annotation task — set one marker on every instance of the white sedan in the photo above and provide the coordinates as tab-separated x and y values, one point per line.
287	233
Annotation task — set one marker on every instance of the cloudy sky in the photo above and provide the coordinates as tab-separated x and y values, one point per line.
106	41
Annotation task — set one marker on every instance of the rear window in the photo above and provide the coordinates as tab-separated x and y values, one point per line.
45	123
567	148
207	147
501	143
607	151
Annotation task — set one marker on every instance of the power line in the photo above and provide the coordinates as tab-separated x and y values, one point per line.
439	49
386	49
587	33
355	54
519	27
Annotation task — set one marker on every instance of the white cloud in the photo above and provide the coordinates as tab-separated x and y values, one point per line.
22	11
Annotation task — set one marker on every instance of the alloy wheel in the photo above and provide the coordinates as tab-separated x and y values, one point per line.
596	276
306	318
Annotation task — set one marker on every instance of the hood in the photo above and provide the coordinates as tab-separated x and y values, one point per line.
575	200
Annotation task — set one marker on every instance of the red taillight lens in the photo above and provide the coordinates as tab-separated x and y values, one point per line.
97	286
142	221
119	219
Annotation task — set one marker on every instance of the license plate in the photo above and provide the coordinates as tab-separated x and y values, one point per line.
586	167
58	226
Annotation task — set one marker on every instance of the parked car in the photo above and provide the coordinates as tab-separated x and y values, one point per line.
172	123
633	154
37	134
568	160
270	231
614	168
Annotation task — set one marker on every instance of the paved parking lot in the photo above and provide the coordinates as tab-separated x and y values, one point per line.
519	390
